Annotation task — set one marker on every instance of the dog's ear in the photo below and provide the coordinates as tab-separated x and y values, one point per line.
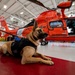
35	25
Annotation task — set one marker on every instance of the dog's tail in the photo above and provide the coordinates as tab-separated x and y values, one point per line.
0	49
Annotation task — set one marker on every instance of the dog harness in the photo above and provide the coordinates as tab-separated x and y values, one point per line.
18	45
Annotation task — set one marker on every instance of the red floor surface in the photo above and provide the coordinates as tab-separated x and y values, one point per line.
12	66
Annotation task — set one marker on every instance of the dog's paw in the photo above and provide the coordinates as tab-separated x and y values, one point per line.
48	58
51	63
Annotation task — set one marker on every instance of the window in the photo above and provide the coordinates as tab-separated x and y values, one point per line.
55	24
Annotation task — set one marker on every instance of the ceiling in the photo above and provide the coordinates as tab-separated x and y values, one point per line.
18	13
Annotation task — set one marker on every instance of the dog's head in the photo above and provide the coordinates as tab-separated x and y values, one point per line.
38	33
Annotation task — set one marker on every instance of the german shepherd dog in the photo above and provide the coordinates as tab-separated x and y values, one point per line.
27	47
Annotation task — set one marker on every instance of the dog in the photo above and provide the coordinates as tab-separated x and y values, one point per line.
27	47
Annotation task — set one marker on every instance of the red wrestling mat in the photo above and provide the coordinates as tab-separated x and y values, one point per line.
12	66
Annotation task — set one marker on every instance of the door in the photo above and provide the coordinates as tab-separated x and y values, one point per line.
56	28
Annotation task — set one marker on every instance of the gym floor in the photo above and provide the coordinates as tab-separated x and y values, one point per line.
63	57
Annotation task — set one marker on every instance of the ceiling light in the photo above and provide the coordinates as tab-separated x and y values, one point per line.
5	6
21	13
